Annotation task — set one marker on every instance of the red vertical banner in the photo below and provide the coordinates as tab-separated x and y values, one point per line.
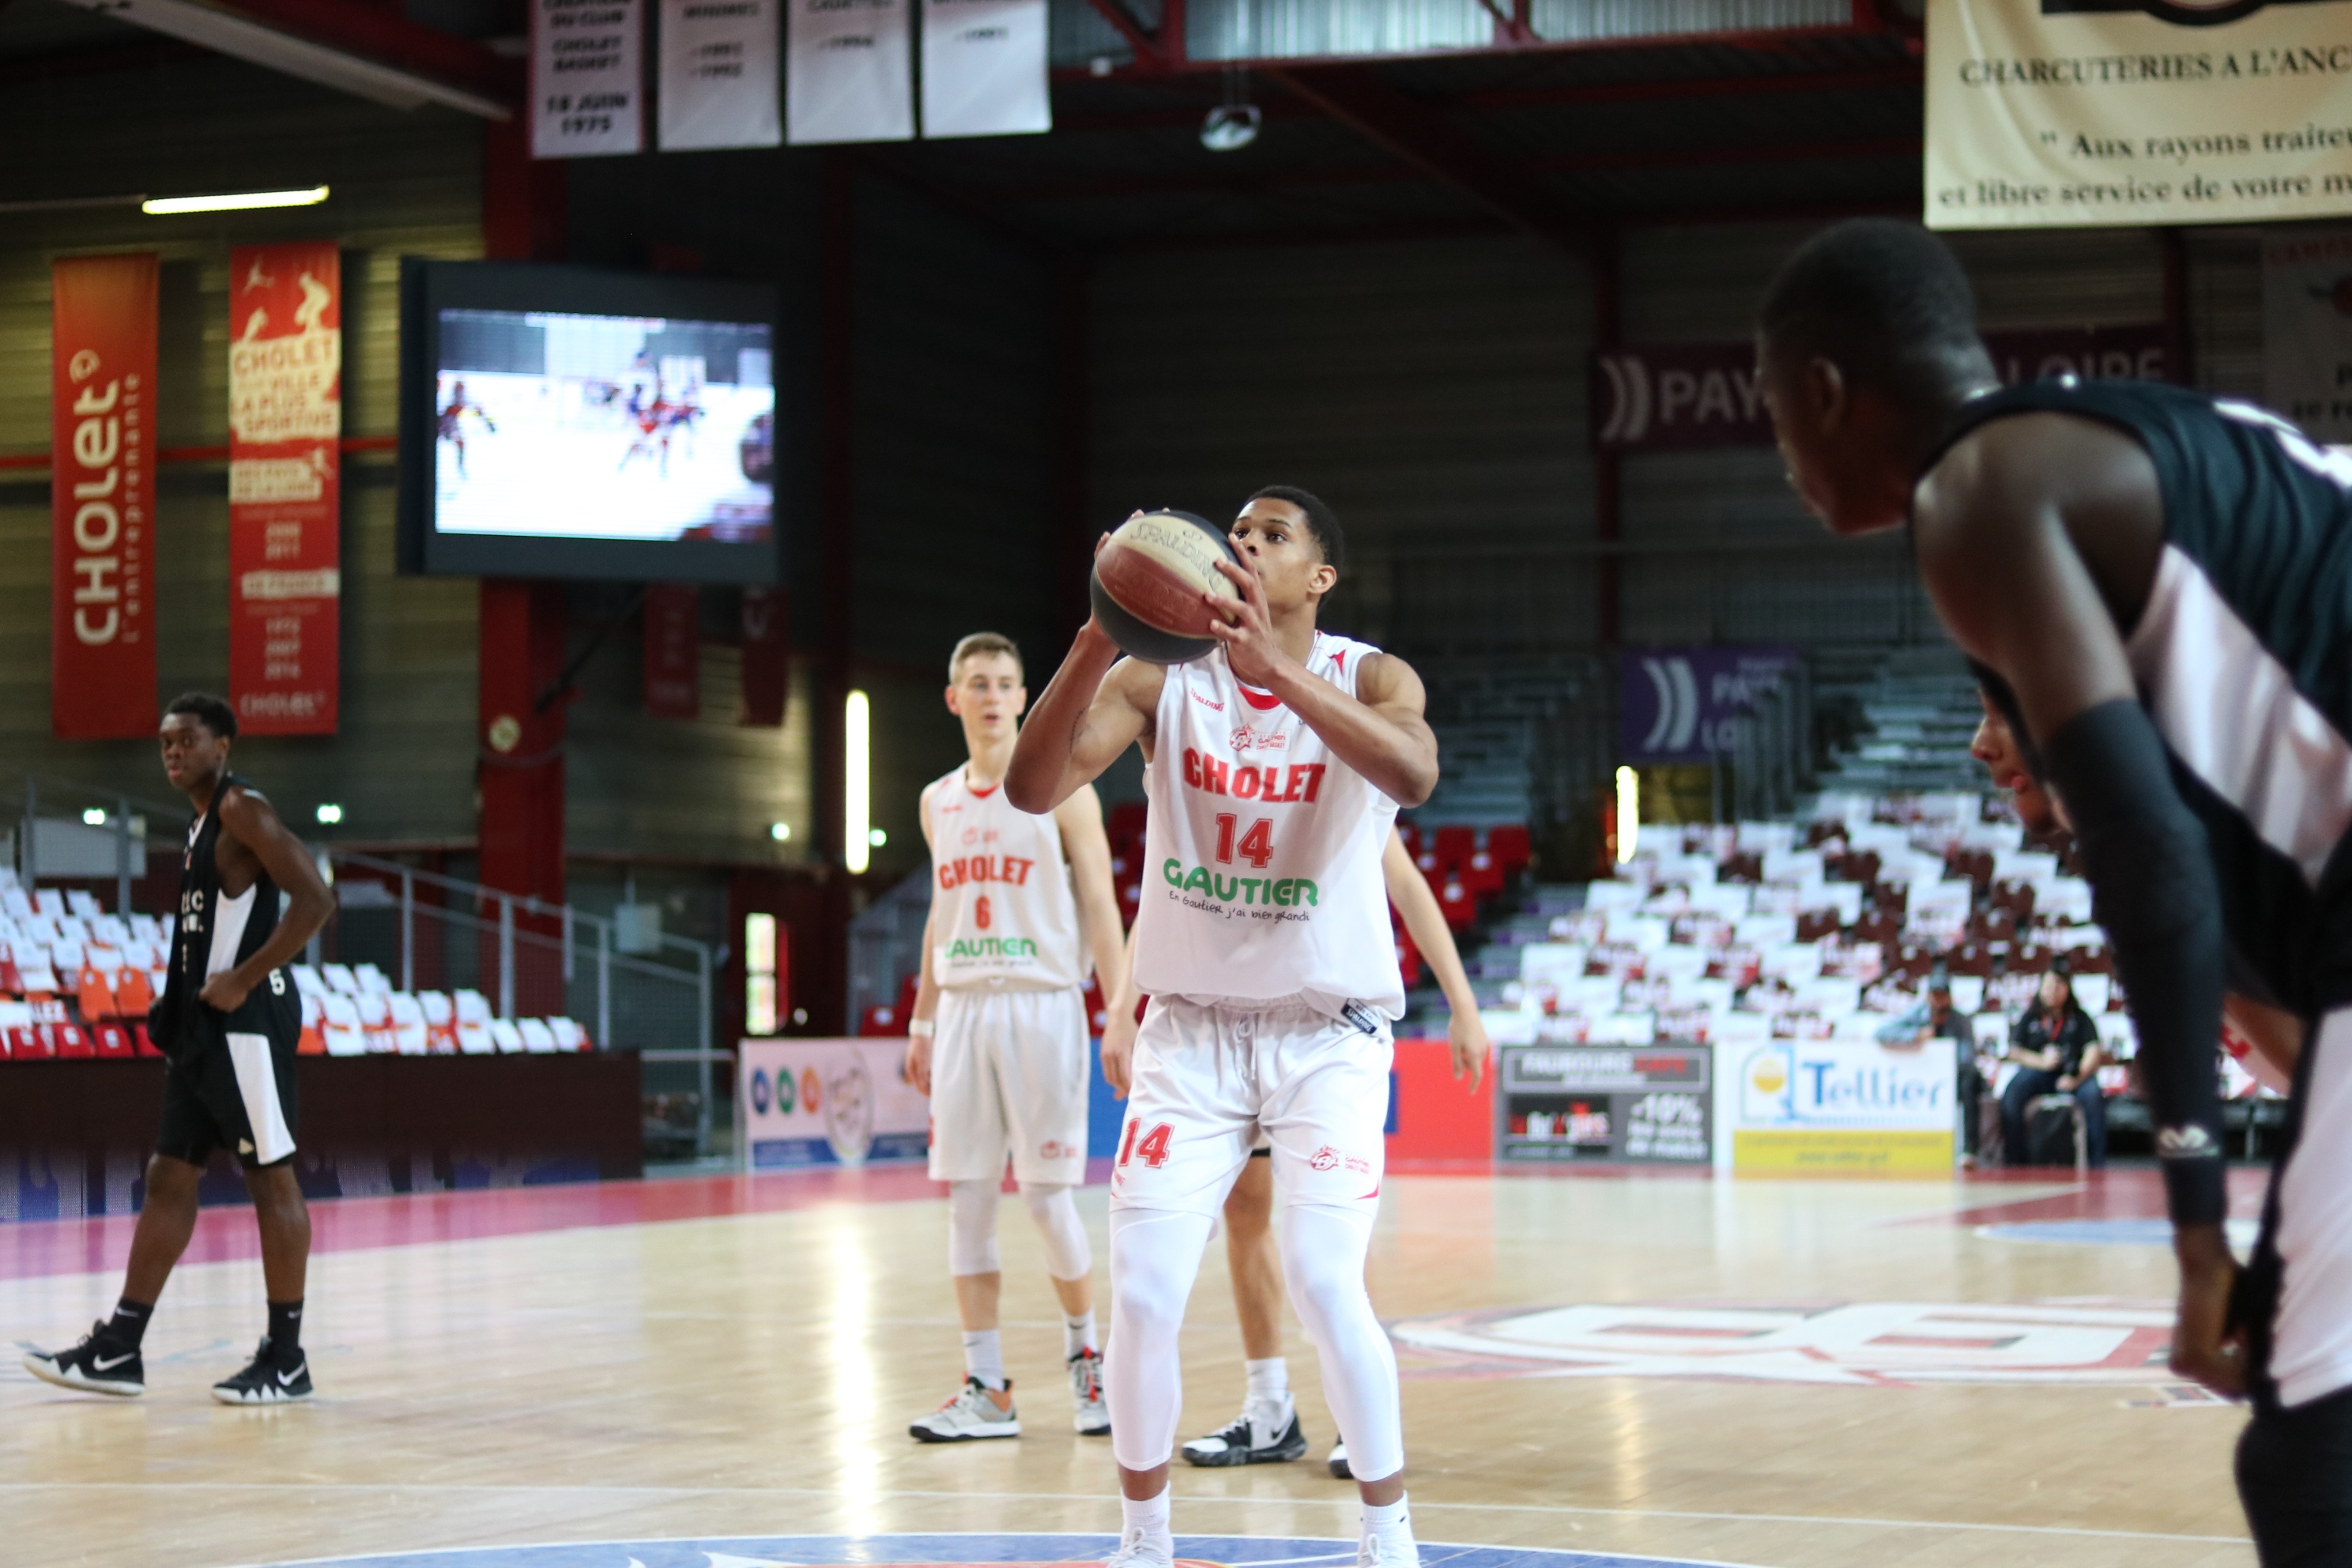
673	652
102	498
285	486
766	656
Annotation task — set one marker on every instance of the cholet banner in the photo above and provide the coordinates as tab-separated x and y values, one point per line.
2073	113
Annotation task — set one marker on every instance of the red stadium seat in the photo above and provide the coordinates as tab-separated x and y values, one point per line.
882	1021
115	1040
1455	844
1481	875
145	1046
72	1040
1509	845
28	1042
1461	909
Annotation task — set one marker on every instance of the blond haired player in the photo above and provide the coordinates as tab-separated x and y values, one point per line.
1275	765
1269	1430
1017	902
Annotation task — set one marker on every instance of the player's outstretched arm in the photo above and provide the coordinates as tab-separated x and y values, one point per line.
2011	580
1087	848
252	821
1425	923
1097	705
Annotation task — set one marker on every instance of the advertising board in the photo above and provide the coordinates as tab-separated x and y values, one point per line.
1839	1108
1647	1104
829	1102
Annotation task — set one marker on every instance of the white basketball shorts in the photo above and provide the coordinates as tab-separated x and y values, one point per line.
1009	1075
2310	1345
1210	1079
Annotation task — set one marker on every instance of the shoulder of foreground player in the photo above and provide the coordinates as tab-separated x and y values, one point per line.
1383	677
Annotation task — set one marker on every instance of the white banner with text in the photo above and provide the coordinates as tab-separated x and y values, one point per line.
586	92
719	86
984	68
850	73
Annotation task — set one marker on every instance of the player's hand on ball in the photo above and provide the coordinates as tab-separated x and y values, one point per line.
1246	628
1118	1051
2204	1347
918	1062
1471	1049
224	992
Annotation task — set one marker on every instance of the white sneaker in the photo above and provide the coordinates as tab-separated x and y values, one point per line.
1267	1432
1390	1548
1093	1417
1139	1548
1338	1463
971	1414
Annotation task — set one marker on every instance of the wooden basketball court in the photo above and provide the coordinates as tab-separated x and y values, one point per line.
1744	1372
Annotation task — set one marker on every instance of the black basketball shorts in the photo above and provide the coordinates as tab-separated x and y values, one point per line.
231	1083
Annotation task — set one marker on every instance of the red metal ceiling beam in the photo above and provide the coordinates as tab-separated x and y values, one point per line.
1410	130
389	38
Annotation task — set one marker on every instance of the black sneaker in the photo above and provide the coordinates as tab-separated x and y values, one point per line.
268	1380
97	1365
1249	1439
1338	1463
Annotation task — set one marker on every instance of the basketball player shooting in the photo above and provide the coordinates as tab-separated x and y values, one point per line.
1274	766
2152	584
229	1025
1017	902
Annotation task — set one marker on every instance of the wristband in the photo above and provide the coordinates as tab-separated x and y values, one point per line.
920	1028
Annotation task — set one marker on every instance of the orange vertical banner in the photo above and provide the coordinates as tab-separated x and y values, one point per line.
102	496
284	487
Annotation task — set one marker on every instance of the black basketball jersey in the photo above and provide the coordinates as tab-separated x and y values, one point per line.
214	932
2244	659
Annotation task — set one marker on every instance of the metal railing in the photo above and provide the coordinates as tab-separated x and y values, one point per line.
649	992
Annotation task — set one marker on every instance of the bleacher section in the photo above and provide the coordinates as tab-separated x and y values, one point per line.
75	981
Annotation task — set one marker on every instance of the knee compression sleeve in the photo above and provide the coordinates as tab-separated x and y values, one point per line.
1068	1255
1323	1262
1153	1257
972	1227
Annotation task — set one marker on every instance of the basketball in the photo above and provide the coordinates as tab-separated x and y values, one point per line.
1148	582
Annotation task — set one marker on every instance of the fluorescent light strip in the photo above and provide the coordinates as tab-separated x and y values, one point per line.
856	821
238	201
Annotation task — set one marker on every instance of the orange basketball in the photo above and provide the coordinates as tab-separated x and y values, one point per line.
1148	582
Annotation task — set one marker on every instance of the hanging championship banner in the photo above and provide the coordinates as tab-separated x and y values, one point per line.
718	82
673	652
284	487
850	72
2057	113
984	68
102	496
2307	331
587	93
767	658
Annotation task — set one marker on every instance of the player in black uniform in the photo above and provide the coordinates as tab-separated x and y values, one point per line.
2156	586
229	1023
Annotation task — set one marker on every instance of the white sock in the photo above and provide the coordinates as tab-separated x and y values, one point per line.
1392	1517
1150	1516
983	1358
1077	1334
1269	1378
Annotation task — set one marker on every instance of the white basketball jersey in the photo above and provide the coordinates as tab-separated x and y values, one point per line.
1262	855
1005	912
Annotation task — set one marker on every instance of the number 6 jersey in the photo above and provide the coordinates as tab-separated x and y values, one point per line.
1262	875
1006	916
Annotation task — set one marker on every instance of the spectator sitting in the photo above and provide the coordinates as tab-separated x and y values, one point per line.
2057	1049
1937	1018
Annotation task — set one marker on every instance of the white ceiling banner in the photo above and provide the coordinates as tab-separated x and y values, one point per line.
984	68
2307	330
587	84
2073	113
849	74
718	76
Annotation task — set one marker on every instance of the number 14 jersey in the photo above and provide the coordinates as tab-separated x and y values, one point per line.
1262	875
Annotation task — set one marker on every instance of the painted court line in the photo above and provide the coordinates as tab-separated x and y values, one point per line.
7	1488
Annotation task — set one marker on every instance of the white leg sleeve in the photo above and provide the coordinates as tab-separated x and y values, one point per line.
1068	1255
972	1227
1323	1264
1154	1254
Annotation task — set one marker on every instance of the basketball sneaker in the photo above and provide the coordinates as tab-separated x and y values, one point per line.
1389	1547
1087	1395
268	1380
1267	1432
1141	1548
97	1365
971	1415
1339	1463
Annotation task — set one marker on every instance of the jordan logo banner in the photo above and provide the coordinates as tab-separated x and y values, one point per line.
850	72
719	74
284	487
2074	113
102	498
984	68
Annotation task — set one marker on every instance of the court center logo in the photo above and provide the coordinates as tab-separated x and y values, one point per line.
1881	1344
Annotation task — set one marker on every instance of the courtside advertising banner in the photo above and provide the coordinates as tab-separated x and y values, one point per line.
2307	330
849	74
284	487
102	496
984	68
2069	113
587	100
719	75
829	1102
1838	1108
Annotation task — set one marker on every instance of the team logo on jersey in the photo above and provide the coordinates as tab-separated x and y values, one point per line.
1327	1158
1206	703
975	948
1262	890
1055	1149
1274	782
1247	739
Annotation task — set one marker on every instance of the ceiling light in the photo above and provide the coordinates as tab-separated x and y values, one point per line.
1230	127
781	832
329	814
94	818
238	201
